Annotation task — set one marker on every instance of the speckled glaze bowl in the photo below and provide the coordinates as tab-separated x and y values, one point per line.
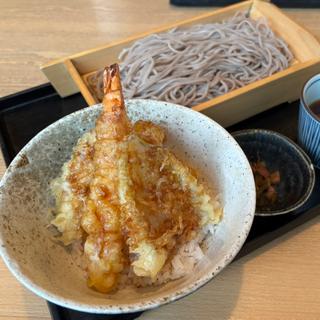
49	270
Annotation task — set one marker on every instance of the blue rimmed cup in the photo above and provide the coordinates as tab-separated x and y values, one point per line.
309	122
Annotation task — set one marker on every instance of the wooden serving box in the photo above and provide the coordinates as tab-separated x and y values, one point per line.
68	75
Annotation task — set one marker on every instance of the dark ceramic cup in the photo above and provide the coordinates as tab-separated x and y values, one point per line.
297	176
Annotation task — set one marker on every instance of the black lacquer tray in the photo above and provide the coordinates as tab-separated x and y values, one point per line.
24	114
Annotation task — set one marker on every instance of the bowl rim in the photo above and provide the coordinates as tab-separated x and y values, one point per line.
149	303
305	160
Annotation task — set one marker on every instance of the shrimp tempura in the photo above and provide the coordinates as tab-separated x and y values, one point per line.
104	243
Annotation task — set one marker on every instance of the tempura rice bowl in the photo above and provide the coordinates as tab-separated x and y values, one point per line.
51	271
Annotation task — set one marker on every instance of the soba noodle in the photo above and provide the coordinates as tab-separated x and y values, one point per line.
191	65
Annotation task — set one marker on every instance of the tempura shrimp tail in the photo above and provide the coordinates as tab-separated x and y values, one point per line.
113	122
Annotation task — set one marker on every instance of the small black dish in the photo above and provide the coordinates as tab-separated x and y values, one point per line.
297	175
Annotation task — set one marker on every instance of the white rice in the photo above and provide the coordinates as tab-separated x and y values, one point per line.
183	263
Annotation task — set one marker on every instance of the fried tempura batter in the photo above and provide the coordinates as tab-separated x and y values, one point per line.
72	188
129	197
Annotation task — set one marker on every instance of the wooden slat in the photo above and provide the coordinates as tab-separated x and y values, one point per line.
61	79
78	80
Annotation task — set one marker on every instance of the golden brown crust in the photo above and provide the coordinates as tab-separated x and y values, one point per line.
132	197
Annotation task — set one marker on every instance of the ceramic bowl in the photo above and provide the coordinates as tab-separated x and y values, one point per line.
50	271
297	175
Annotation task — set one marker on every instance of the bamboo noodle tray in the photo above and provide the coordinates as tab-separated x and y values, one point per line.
68	75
